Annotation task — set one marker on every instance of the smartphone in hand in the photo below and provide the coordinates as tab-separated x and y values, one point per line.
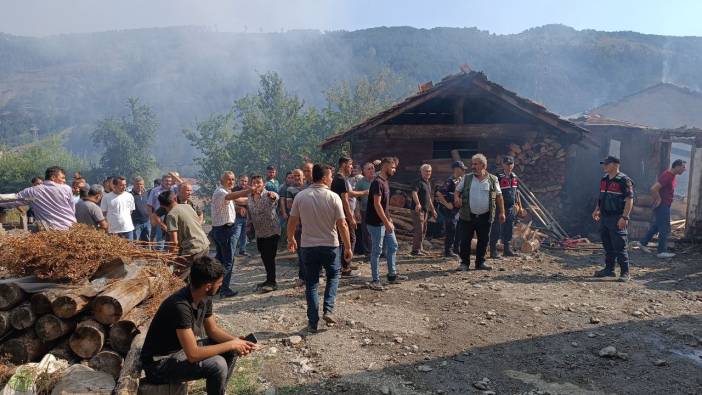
251	338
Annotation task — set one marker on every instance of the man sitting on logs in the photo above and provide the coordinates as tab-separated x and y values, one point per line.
172	351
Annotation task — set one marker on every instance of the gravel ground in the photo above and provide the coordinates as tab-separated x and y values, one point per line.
534	325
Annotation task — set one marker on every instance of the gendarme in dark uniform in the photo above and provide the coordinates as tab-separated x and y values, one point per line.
613	209
509	185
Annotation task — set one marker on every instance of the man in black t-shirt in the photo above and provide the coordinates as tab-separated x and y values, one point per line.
184	342
342	187
423	205
380	226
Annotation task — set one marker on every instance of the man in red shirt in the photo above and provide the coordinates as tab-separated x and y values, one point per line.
662	192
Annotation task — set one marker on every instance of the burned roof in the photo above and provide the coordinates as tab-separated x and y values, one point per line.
477	79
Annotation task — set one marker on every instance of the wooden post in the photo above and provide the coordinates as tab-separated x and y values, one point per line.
88	339
128	381
50	327
119	298
10	295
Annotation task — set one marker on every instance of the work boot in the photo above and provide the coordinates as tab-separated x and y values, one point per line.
376	286
482	266
508	250
397	279
604	273
462	268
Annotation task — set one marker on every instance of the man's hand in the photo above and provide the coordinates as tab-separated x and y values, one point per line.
502	218
596	215
389	227
272	195
348	254
418	208
434	214
656	201
292	245
242	347
352	223
622	223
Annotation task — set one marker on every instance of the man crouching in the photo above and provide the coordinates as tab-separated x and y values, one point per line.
172	352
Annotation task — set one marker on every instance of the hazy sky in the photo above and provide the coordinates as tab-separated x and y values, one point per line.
47	17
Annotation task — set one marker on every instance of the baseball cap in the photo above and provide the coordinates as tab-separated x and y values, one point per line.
508	160
610	159
458	164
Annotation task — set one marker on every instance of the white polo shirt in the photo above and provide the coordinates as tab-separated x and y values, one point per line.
223	210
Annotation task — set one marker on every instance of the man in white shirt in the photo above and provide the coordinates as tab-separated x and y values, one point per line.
223	229
117	206
477	196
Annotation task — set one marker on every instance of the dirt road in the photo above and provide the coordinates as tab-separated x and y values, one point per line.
534	325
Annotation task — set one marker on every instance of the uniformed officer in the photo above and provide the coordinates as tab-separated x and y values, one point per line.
448	212
509	185
612	212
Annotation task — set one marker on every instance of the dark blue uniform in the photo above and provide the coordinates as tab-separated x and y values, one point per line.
509	185
449	216
613	195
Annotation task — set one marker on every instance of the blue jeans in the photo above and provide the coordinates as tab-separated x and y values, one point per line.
142	232
502	232
225	242
380	238
314	259
614	241
240	234
661	225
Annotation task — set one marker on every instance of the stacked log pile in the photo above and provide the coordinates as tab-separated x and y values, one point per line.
542	165
78	314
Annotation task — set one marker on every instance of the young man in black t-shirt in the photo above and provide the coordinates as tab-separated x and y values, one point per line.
184	342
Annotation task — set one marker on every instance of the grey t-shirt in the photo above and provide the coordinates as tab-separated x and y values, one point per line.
88	213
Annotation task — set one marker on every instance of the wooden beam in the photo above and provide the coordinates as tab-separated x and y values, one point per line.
436	132
694	193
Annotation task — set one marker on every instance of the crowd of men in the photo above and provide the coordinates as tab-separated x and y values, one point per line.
326	217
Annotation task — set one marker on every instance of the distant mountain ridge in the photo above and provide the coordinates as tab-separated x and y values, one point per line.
186	73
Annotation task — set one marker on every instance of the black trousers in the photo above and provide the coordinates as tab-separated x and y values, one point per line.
451	242
479	225
268	247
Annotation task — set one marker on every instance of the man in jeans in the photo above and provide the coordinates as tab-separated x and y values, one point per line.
341	186
140	215
663	191
380	226
363	185
322	213
223	229
241	218
479	198
184	342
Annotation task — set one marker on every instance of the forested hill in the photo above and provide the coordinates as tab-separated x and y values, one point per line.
187	73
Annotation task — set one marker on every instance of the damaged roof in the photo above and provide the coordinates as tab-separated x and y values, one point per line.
477	79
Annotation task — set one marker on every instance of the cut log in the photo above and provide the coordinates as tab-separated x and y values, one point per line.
5	325
80	379
69	305
397	201
10	295
119	298
50	327
63	351
128	381
123	331
107	361
41	302
22	317
23	349
88	339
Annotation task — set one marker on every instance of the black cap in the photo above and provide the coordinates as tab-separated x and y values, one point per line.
458	164
508	160
610	159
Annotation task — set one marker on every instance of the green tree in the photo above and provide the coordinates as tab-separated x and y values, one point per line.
127	141
19	166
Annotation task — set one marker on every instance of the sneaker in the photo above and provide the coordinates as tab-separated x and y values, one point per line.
510	253
494	255
329	319
311	329
624	278
462	268
604	273
483	266
450	254
244	254
376	286
261	285
268	288
397	279
227	294
641	246
665	255
349	274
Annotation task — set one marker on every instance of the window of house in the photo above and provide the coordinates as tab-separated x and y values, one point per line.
442	149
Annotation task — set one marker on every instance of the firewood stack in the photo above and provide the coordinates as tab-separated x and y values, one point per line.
404	225
81	316
541	164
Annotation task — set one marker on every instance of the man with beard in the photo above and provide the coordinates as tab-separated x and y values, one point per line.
184	342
